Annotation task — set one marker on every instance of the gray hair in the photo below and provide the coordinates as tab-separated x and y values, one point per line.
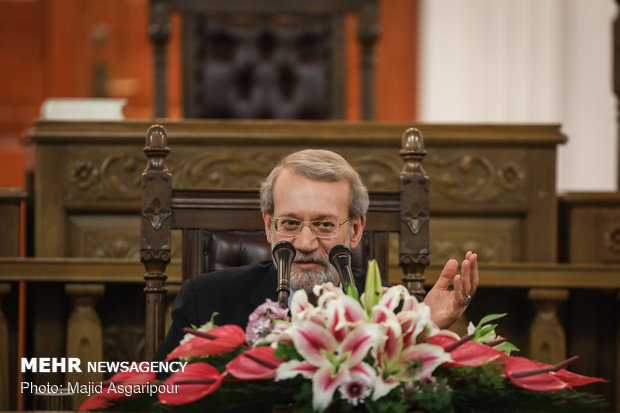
320	165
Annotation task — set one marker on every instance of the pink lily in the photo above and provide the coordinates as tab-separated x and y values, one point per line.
399	358
328	361
216	341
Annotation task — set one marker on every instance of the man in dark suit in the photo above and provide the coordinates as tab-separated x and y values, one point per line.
315	200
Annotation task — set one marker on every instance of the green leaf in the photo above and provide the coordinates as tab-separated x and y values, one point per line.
490	317
481	332
506	347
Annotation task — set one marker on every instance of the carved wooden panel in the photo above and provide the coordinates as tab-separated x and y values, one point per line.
502	171
493	239
109	236
592	222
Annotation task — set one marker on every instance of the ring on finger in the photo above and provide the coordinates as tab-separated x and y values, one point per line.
466	300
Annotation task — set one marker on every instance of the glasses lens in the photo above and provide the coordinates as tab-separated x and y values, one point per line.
287	226
324	228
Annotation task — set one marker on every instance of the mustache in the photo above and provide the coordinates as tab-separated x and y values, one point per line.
313	256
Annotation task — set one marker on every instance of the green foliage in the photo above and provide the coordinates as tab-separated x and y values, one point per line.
287	352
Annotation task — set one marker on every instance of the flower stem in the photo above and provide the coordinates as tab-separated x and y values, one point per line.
199	333
534	372
456	344
496	342
260	361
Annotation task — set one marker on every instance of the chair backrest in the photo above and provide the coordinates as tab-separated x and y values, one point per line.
224	227
268	59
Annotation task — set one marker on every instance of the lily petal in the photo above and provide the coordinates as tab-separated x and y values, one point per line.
292	368
359	342
429	357
310	340
324	385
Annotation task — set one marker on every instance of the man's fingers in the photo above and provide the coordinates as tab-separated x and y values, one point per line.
447	274
473	261
465	277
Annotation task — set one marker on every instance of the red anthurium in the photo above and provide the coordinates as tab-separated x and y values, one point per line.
198	380
100	401
227	338
573	379
255	364
536	382
467	354
535	376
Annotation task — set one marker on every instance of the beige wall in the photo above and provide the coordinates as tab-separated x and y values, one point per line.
526	61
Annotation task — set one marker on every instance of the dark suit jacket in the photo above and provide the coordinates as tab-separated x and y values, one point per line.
233	294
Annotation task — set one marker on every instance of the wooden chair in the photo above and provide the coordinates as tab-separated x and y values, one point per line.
281	59
210	218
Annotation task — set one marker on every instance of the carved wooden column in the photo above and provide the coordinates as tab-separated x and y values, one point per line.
547	337
368	31
155	234
84	336
159	31
414	245
5	289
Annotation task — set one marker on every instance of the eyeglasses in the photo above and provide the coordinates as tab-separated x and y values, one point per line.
322	228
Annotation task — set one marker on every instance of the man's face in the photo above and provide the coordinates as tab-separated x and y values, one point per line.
302	198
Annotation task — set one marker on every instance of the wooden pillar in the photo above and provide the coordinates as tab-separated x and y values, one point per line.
414	245
84	335
547	336
5	289
155	234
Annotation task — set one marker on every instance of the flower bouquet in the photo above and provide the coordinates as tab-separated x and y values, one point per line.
379	353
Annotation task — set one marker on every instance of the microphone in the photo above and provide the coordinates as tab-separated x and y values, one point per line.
340	257
283	253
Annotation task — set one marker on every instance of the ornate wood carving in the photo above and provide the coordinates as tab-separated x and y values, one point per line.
414	228
84	337
476	178
155	233
547	336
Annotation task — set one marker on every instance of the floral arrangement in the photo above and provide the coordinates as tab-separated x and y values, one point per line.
378	353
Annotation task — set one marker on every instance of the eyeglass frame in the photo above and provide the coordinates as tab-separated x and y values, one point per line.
309	225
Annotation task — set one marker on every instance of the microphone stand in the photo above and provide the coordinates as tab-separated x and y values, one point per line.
283	253
340	257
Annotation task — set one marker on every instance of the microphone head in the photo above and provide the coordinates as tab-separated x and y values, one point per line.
284	249
339	251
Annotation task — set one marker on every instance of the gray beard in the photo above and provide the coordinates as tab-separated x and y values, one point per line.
307	279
